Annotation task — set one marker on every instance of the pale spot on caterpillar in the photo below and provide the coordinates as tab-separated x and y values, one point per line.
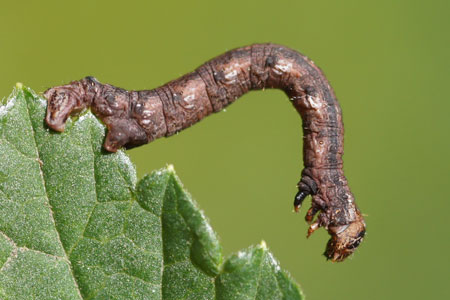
189	98
314	102
282	66
231	76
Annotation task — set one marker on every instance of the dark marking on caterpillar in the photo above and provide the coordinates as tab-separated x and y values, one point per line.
134	118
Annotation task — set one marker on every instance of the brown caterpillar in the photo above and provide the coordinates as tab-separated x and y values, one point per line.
134	118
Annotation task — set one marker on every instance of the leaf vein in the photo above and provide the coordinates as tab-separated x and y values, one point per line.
48	199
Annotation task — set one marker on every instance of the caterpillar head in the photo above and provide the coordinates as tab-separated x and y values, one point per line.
345	239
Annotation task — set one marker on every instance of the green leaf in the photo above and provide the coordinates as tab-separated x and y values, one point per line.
75	224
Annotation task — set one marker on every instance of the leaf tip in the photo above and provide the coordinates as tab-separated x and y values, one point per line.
19	85
263	245
170	168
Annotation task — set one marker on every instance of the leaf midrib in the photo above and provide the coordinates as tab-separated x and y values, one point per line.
42	175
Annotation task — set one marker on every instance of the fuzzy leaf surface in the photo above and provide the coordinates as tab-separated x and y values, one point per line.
76	224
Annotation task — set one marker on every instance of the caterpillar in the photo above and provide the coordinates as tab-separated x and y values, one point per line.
134	118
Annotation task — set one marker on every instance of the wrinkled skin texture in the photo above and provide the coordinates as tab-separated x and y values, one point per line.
134	118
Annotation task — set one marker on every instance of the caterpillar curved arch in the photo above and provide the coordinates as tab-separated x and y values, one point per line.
134	118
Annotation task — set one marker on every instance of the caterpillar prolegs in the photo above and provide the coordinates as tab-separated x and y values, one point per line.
134	118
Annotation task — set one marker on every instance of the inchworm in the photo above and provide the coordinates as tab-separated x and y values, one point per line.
134	118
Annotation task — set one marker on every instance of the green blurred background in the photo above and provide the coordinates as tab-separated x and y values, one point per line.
388	62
